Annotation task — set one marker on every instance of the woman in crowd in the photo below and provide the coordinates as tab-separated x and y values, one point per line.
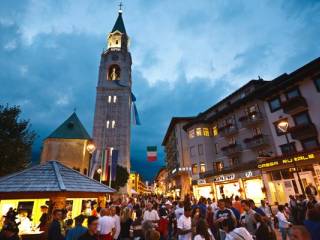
125	223
202	231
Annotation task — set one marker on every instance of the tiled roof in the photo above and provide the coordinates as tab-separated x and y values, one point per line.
51	176
119	25
72	128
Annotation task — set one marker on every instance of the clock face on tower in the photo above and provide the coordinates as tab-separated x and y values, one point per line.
114	72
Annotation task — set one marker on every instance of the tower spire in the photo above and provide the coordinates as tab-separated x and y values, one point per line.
120	7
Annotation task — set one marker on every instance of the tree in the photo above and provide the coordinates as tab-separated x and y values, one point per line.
16	140
122	177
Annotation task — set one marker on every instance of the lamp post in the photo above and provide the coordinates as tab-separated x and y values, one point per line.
90	148
99	171
283	126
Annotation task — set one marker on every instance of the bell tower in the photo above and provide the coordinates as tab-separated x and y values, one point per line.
113	95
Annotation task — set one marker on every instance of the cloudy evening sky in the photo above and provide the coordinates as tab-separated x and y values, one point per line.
186	54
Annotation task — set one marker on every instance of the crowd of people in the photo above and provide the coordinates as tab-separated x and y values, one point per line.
157	217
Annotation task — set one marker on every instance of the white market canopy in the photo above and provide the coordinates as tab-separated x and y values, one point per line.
50	178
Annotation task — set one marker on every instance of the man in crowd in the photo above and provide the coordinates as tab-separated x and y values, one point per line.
55	229
151	214
221	214
115	212
106	225
91	234
184	224
247	219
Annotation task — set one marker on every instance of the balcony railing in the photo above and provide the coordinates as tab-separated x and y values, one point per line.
251	119
228	130
231	149
294	105
256	141
303	131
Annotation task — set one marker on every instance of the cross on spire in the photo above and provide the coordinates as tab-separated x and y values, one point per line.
120	6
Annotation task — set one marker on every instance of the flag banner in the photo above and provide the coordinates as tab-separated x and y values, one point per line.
94	163
152	153
114	159
103	165
105	168
135	115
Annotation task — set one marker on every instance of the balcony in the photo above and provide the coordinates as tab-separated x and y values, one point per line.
251	119
256	141
228	130
231	149
294	105
303	131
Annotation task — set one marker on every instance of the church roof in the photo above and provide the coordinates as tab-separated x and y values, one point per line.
119	25
51	176
72	128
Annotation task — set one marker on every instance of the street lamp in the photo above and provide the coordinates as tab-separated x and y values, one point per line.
91	148
99	171
283	126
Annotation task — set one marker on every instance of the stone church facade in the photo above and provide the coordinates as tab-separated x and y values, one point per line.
112	116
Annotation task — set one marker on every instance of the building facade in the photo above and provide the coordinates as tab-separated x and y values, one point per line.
235	147
137	184
160	181
68	145
113	98
293	98
178	163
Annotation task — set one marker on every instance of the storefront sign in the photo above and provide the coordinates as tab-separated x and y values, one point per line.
226	177
248	174
303	157
201	181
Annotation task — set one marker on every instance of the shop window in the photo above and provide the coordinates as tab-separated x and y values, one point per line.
216	148
194	169
276	175
215	131
192	151
26	206
317	83
288	148
256	131
202	167
218	166
274	104
206	132
200	149
198	132
310	143
301	118
293	93
191	133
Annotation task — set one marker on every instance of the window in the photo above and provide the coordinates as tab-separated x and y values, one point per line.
113	124
206	132
256	131
218	166
216	147
108	124
109	99
310	143
252	109
293	93
232	140
274	104
194	169
191	133
275	124
192	151
114	99
200	149
288	148
198	132
215	131
301	118
234	161
202	167
317	83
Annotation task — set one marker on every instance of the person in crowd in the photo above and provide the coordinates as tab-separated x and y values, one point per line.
237	204
263	232
195	217
265	208
78	230
163	224
299	232
221	214
55	227
184	224
9	231
209	218
247	218
284	224
233	233
202	231
301	209
293	208
179	210
312	222
24	222
311	190
106	225
235	211
126	222
136	226
115	212
92	232
151	214
152	235
202	207
255	208
43	225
